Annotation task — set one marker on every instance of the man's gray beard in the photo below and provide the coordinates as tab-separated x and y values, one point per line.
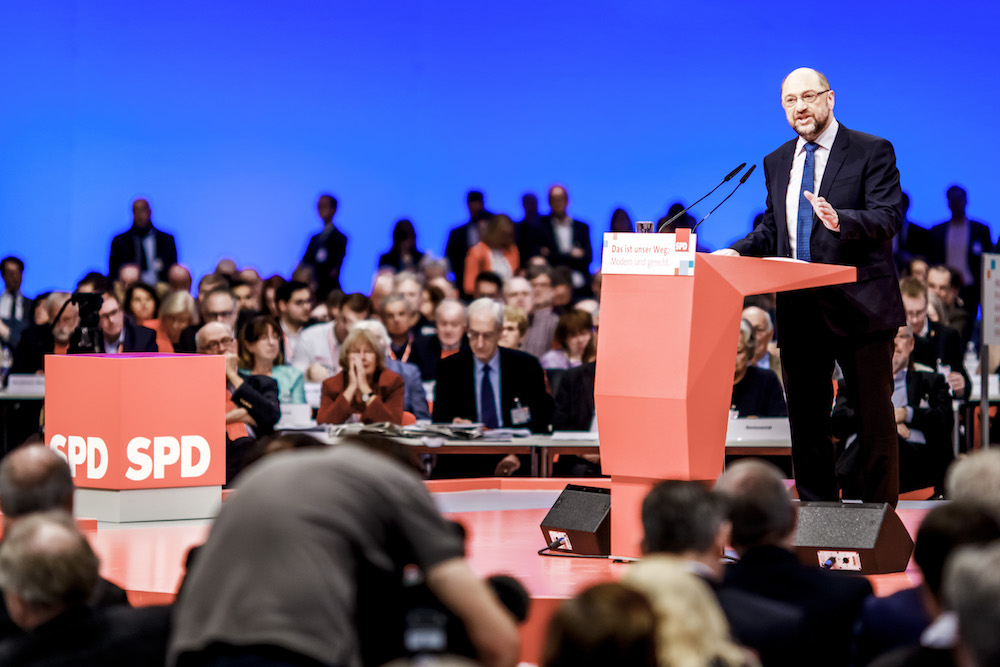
818	131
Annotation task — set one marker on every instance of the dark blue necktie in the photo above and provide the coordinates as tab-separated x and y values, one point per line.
487	401
803	231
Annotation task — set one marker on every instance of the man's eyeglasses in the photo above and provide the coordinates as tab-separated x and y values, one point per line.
220	315
220	344
808	97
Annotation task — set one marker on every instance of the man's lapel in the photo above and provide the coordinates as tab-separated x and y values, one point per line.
838	153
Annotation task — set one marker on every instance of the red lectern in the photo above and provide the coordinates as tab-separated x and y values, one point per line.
669	333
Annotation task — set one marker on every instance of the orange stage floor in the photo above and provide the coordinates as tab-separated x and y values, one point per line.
502	519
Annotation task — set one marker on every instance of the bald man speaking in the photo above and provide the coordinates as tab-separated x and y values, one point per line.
833	197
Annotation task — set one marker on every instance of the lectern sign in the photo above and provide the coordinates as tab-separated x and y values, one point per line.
649	254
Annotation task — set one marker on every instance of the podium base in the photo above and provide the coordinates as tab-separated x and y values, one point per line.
192	502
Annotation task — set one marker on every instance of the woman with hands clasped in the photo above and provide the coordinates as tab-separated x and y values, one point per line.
364	390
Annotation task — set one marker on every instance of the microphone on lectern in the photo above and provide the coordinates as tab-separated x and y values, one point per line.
731	174
742	181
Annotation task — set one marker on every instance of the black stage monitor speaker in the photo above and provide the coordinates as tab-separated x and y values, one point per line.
581	516
857	537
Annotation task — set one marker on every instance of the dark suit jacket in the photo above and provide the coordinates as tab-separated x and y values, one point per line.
775	630
123	252
574	400
862	183
104	595
327	263
259	395
426	354
759	394
456	249
521	377
83	637
29	355
546	238
393	260
139	338
911	241
830	601
944	344
888	623
979	242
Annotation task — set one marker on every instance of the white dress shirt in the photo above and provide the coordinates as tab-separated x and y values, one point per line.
821	156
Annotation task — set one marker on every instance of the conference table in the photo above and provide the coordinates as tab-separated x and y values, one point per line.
746	437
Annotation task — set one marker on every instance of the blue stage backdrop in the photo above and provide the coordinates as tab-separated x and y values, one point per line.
231	117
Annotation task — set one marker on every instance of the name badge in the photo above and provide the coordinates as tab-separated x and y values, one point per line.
521	415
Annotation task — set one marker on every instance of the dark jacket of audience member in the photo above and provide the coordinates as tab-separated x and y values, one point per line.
85	637
521	379
759	394
427	354
574	400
